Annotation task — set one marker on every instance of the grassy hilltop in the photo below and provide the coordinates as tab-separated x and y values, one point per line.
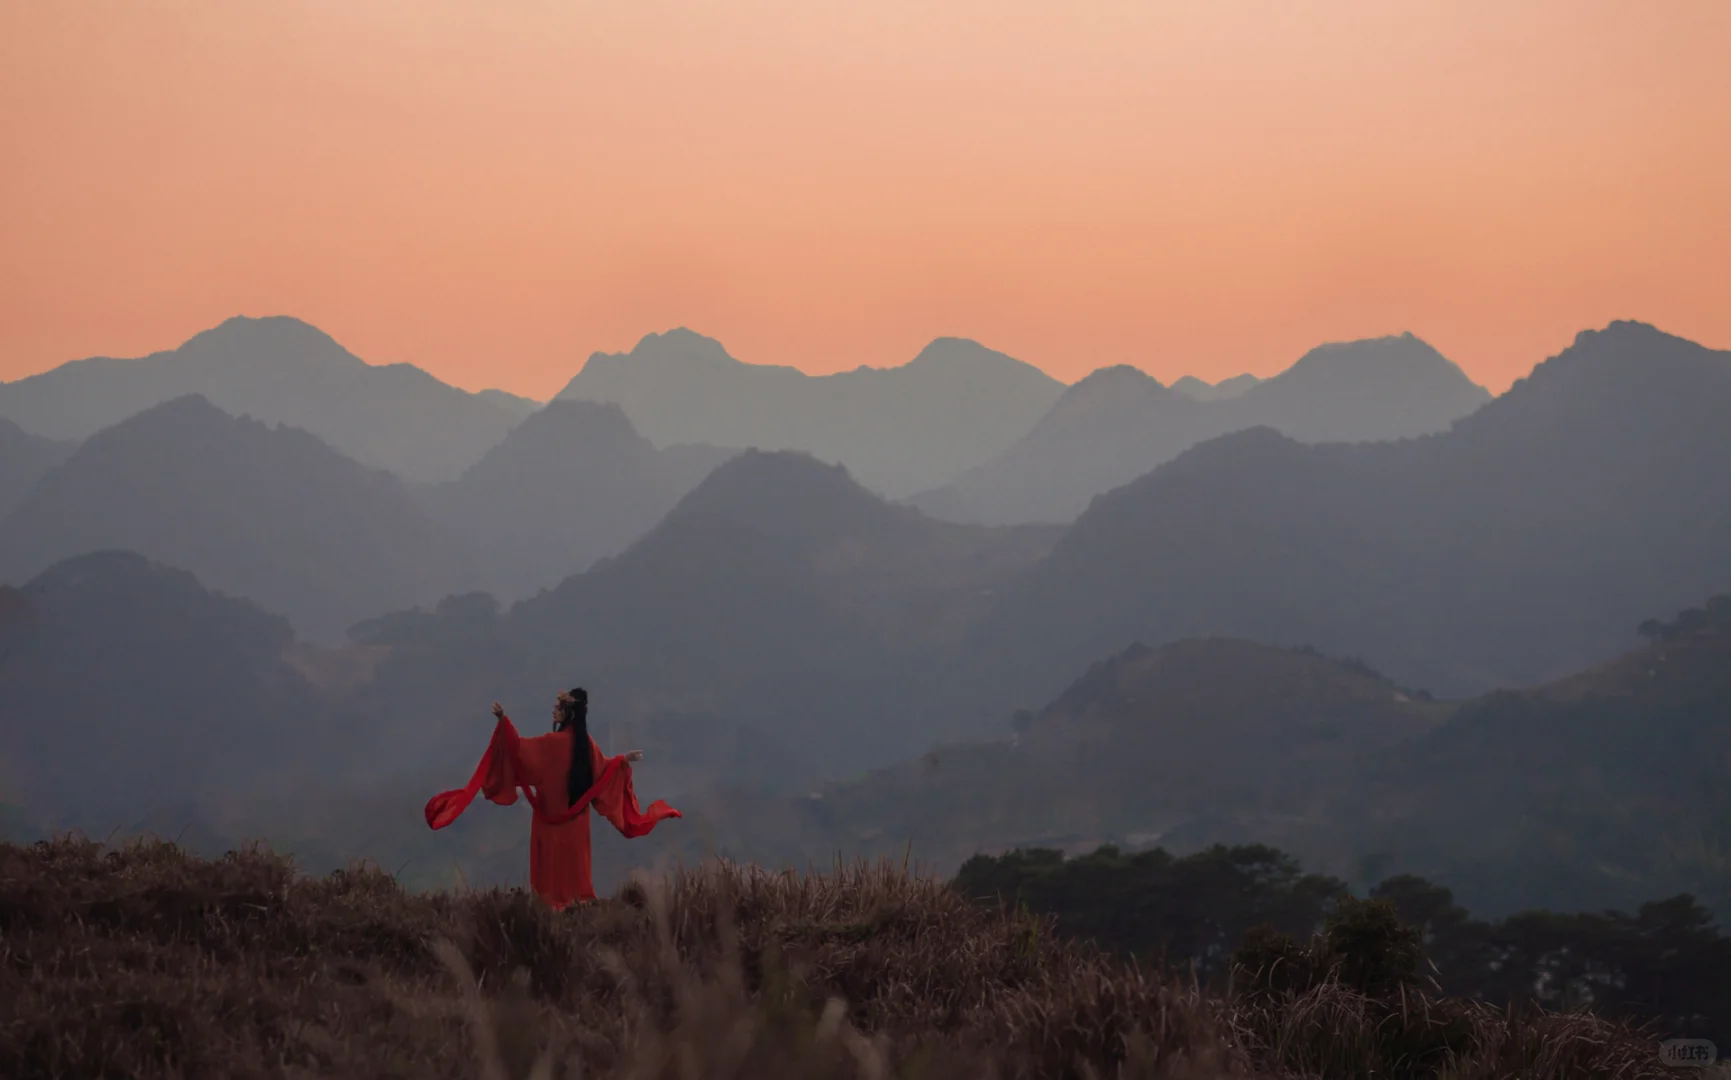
148	962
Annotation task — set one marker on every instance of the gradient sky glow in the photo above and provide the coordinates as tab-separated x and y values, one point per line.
493	191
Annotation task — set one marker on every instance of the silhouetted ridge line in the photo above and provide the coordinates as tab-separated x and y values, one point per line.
1118	424
1519	544
270	513
571	484
898	429
281	370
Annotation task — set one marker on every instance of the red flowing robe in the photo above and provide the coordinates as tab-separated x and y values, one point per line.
559	862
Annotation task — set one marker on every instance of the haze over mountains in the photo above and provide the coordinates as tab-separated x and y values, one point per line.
1523	543
1105	431
278	517
279	370
770	624
899	430
128	687
268	513
1140	747
957	408
1520	545
572	483
779	593
1118	423
1605	789
24	459
1600	790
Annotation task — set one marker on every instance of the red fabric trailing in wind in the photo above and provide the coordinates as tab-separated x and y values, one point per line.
559	856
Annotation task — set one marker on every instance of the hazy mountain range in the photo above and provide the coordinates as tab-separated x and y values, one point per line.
898	430
1118	423
778	593
955	415
279	370
127	686
569	485
272	514
973	435
1600	789
1524	543
1105	431
810	628
1603	789
1192	387
24	460
1140	747
275	515
1488	555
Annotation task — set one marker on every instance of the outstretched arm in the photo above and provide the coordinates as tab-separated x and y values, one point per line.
616	797
495	776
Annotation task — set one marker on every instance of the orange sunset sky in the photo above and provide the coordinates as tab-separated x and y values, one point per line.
494	190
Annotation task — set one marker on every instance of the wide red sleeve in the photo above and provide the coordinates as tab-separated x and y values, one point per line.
496	776
501	772
615	799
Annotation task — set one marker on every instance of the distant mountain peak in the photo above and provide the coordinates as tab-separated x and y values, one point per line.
770	508
194	407
568	429
282	369
1372	355
788	497
573	483
1179	668
1192	387
899	429
267	324
1627	326
679	334
572	411
266	511
680	348
1116	376
966	354
1623	333
1624	364
1396	386
779	477
192	421
270	339
1116	388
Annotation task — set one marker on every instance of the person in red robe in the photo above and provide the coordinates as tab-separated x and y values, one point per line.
562	775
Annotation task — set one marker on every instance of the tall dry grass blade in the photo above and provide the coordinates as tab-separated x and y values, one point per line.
480	1023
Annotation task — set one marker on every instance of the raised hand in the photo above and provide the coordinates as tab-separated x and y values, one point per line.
634	755
498	710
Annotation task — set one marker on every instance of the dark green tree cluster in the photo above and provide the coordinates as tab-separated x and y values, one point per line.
1665	963
1252	916
1713	617
1190	911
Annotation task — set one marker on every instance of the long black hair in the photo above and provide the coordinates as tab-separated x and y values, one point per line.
574	717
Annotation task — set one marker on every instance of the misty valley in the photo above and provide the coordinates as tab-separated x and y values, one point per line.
1175	665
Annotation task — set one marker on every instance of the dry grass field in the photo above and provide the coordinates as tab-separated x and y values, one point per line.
144	961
